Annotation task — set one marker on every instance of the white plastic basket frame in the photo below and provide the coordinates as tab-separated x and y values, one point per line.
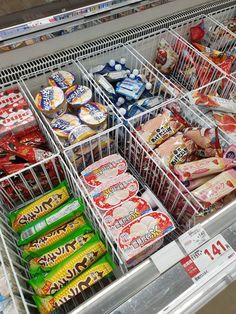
148	44
51	145
224	87
32	86
224	15
195	119
14	253
160	84
224	41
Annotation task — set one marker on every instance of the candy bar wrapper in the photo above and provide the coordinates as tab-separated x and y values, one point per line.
166	57
48	241
54	219
70	268
65	248
159	129
207	140
176	150
226	122
10	144
114	192
202	168
15	113
213	102
143	236
216	188
102	268
104	169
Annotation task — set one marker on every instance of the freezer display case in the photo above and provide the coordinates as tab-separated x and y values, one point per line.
117	156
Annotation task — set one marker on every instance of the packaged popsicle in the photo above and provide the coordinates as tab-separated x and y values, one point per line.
195	183
102	268
54	219
39	208
166	58
104	169
70	268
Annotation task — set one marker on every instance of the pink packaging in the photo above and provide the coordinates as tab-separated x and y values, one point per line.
193	184
104	169
15	114
118	217
114	192
143	236
204	167
216	188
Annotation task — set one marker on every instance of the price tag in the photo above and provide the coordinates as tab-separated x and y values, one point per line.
193	238
211	255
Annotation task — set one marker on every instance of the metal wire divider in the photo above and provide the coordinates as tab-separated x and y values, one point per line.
216	36
203	71
14	253
161	86
223	15
33	84
224	87
194	119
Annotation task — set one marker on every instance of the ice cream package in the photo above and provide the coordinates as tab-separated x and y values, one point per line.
166	58
225	121
143	236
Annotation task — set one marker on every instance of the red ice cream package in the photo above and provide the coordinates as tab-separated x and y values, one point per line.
10	144
166	57
197	32
32	137
226	122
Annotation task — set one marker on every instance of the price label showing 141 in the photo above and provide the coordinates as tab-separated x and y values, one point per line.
209	256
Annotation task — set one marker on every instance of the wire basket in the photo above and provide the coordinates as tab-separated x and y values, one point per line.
32	85
203	70
216	36
225	88
13	252
224	15
161	86
194	119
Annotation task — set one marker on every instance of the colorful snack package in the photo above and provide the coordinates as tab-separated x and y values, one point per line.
46	242
104	169
207	140
213	102
115	192
39	208
159	129
118	217
31	136
70	268
103	267
176	150
197	32
54	219
144	235
166	57
195	183
64	248
204	167
225	121
216	188
31	154
230	152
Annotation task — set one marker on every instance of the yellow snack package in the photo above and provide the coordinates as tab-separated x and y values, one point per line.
70	268
39	208
103	267
45	243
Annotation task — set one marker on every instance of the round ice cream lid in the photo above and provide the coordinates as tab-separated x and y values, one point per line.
78	95
93	113
80	133
64	124
61	79
49	98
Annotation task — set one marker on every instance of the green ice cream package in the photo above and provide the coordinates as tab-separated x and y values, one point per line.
50	240
40	207
65	248
67	270
56	218
100	269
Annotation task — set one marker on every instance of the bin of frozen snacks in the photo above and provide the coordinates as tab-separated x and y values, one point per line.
193	153
126	80
169	54
24	140
59	252
226	18
217	101
70	105
213	41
